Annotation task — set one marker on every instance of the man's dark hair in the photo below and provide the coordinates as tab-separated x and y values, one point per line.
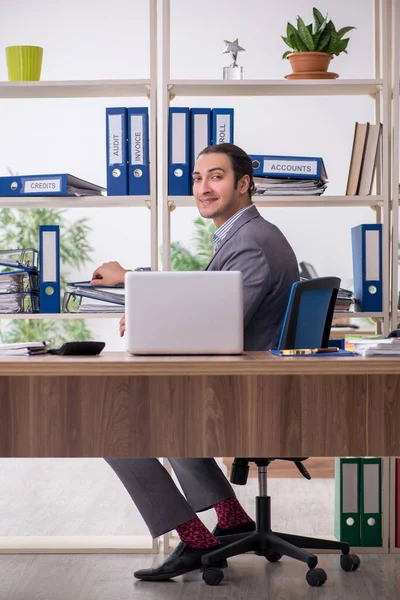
240	161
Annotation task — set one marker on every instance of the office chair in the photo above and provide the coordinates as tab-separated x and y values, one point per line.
307	324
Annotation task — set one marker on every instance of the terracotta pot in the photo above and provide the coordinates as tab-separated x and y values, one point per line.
309	61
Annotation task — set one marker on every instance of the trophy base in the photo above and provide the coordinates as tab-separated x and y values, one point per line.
235	72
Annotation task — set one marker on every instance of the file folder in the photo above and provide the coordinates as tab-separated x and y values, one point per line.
222	126
19	302
347	514
49	276
138	152
296	167
397	503
200	132
367	267
179	152
20	258
117	151
53	184
370	501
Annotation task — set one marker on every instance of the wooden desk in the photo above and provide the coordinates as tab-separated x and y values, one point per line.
250	405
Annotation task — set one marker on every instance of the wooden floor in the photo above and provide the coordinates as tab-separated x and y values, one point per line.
106	577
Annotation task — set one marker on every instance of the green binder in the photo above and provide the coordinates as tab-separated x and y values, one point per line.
347	501
371	501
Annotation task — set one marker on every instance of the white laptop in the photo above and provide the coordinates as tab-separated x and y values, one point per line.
184	312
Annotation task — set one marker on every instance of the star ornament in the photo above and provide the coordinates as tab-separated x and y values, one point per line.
233	48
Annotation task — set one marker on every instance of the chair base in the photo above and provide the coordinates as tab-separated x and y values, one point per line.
270	544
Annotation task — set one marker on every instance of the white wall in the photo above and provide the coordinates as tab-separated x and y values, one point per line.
89	40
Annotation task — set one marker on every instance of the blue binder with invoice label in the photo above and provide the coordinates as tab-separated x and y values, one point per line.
200	132
366	243
117	151
299	167
138	151
179	152
49	275
222	126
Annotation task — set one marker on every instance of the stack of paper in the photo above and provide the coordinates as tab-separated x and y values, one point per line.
386	346
19	281
23	348
271	186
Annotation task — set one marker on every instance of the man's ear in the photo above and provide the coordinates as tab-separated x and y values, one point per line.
244	184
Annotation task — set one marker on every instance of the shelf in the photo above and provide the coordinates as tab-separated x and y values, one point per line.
57	316
357	315
278	87
73	201
299	201
106	88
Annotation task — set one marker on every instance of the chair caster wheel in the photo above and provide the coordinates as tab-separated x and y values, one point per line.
213	576
316	577
273	556
349	562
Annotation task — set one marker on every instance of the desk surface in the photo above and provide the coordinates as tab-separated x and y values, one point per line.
254	404
249	363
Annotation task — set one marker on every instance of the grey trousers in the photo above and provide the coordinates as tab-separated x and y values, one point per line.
158	499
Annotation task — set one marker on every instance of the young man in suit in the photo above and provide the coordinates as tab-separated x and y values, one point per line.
244	241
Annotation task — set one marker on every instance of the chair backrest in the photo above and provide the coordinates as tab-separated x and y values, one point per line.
309	313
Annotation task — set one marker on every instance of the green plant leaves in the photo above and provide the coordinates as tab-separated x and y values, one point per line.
305	35
319	36
343	31
183	259
318	18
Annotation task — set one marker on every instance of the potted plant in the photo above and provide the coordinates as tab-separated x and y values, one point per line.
313	46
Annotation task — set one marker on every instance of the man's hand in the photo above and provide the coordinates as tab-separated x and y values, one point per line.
109	274
122	326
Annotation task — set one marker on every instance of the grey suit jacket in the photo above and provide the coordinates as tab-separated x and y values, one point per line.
261	252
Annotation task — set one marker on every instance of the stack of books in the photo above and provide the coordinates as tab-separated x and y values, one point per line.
19	281
288	175
364	157
344	300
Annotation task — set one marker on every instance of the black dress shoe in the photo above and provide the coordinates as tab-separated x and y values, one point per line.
249	527
182	560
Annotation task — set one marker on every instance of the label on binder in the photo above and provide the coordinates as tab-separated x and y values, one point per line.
223	123
115	141
33	186
137	157
306	167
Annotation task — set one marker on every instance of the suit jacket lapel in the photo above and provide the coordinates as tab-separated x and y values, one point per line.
248	215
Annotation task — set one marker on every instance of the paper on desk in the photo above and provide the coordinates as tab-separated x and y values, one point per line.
386	346
21	348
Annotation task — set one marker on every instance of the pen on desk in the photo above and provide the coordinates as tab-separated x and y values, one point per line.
295	351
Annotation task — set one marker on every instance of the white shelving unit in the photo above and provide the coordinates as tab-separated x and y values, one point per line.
107	88
140	88
75	201
295	201
129	88
395	176
379	88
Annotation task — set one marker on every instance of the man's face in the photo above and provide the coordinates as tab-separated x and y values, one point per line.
214	188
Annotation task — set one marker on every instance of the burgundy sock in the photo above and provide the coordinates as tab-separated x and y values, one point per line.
196	535
230	513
